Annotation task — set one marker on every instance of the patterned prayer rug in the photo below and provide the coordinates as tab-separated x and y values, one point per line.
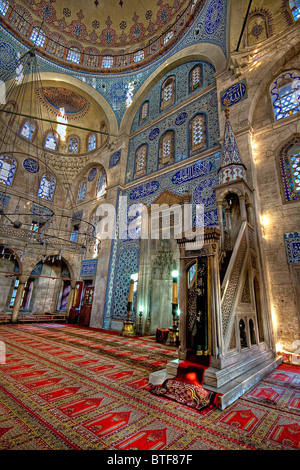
70	388
191	395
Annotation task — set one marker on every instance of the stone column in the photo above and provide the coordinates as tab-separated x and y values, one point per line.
182	304
18	298
220	217
243	209
71	296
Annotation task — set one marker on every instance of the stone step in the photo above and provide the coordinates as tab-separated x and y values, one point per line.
233	389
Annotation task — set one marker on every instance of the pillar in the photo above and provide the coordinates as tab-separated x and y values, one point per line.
18	298
220	217
182	304
242	201
71	297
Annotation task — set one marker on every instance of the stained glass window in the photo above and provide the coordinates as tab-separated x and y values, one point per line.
290	172
73	145
197	133
38	37
7	169
51	141
166	149
144	111
101	184
3	7
168	92
73	55
285	94
107	61
139	55
28	130
195	77
82	190
91	142
47	186
140	161
295	7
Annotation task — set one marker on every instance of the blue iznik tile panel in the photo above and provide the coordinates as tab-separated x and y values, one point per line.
209	26
199	179
292	246
179	123
182	92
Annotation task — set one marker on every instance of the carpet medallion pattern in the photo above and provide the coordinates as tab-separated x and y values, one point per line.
64	388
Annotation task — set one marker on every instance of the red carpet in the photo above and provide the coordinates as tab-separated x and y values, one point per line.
70	388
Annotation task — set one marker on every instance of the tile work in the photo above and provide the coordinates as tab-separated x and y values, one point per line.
199	178
206	104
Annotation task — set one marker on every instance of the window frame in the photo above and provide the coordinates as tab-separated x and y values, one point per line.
285	175
52	189
171	160
11	172
203	144
164	104
139	173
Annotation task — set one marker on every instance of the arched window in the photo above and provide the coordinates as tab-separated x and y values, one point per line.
101	184
197	133
91	142
166	149
47	186
51	141
295	8
140	161
168	93
168	37
38	37
28	129
7	169
139	55
290	170
73	146
285	94
195	77
107	61
3	7
144	112
82	190
74	55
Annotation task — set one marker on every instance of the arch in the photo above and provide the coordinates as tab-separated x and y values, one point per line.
264	84
99	99
203	51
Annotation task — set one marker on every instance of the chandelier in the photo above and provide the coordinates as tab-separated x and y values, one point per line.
29	219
